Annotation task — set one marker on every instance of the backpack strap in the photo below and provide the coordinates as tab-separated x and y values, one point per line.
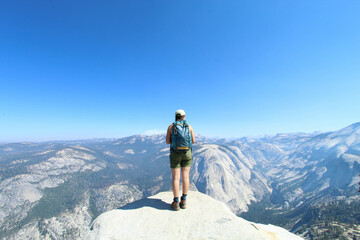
174	130
190	135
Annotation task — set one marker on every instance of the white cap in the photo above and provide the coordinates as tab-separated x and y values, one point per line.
180	112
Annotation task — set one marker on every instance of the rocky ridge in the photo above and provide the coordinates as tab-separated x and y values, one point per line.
204	218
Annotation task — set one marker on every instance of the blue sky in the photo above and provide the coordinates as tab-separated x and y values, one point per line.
89	69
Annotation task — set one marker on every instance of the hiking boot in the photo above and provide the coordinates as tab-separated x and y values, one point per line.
175	206
183	204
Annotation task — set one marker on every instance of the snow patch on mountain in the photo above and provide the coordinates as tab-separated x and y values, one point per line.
124	165
129	151
19	161
165	150
43	153
351	158
111	154
83	148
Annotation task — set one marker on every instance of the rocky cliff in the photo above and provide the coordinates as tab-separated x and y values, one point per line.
204	218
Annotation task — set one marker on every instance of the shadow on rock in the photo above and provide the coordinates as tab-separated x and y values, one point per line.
147	202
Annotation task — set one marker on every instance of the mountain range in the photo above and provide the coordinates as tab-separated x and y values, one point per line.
304	182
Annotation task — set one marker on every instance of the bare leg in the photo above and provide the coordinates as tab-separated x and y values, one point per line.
175	181
185	179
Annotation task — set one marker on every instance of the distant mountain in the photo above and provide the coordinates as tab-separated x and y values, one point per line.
55	189
319	171
225	173
322	165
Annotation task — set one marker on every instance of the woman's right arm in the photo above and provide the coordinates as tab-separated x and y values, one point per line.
168	134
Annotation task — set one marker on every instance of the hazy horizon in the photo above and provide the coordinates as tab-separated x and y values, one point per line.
164	133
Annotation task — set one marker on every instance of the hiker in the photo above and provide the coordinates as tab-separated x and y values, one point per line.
180	136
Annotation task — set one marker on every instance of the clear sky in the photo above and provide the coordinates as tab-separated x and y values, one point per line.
75	69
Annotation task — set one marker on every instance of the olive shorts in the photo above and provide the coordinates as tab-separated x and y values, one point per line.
180	159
